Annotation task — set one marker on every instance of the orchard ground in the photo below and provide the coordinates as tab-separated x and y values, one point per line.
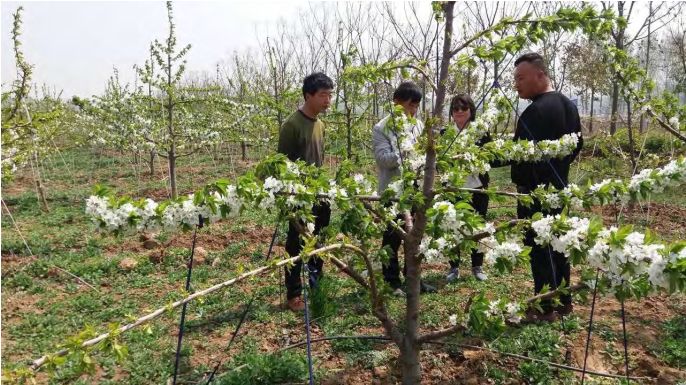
43	305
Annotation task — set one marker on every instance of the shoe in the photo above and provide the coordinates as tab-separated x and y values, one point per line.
549	316
479	274
534	316
296	304
565	310
426	288
453	275
398	292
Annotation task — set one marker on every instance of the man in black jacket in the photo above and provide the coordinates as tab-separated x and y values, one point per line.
550	116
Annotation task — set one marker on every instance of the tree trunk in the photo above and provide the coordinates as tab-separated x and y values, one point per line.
628	113
170	127
409	349
496	64
39	186
172	171
409	363
424	98
632	157
615	105
349	133
151	163
445	59
41	196
590	120
375	102
619	44
642	124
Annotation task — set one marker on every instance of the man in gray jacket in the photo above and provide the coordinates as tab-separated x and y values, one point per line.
390	158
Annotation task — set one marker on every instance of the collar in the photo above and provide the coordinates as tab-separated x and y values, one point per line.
305	115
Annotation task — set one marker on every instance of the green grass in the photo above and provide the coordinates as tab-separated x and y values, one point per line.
254	368
672	347
541	342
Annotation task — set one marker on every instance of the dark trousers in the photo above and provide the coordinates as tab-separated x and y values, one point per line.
322	216
480	204
391	269
548	267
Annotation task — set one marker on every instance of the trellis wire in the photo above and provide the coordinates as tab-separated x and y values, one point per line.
182	322
307	326
590	325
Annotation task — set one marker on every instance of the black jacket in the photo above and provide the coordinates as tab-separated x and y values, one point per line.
484	178
550	116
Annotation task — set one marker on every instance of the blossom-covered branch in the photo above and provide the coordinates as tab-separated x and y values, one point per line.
642	185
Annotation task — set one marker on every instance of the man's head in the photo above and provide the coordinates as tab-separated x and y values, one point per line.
408	95
317	91
531	75
462	109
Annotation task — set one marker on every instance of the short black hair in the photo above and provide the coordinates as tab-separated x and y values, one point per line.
408	91
463	100
315	82
535	59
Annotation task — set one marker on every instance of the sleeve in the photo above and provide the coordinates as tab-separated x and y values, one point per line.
384	153
288	142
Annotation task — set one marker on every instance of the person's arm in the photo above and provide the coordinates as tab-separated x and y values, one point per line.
288	142
384	152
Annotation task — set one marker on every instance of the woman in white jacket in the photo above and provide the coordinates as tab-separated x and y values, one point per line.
463	111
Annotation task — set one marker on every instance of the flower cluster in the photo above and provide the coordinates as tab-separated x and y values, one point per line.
668	270
626	259
448	226
485	314
530	151
285	190
9	160
147	214
674	122
629	260
445	230
408	131
564	235
508	251
641	185
435	249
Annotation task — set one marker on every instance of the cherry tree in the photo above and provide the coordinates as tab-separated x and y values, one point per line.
29	124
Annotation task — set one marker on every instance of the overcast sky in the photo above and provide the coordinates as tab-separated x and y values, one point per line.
75	45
